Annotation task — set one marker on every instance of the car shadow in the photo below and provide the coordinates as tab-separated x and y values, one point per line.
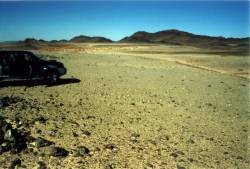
32	83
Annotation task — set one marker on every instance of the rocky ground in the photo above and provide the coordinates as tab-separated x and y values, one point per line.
117	108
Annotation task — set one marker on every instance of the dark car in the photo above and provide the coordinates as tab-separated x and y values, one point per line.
26	65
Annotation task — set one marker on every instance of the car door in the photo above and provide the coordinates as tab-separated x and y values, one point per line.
35	64
4	67
19	65
1	64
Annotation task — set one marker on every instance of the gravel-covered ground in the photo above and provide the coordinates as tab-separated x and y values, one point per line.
116	109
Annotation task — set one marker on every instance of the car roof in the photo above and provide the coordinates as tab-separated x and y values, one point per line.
14	51
6	53
18	51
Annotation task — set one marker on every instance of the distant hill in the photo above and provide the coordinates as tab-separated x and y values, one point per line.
59	41
176	37
28	43
86	39
238	46
34	43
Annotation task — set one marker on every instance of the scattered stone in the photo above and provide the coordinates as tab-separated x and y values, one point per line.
86	133
10	139
39	131
110	146
10	135
133	104
81	151
190	160
41	165
135	137
211	139
7	101
79	162
40	120
18	122
15	141
180	152
14	163
35	153
90	117
41	142
175	155
74	134
239	158
109	166
149	166
209	104
58	152
152	142
190	141
166	137
180	167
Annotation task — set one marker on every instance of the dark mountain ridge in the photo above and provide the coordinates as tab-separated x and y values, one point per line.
86	39
168	37
177	37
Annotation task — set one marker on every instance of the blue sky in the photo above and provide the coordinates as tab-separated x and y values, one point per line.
117	19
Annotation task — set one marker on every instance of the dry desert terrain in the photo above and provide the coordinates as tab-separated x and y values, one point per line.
135	106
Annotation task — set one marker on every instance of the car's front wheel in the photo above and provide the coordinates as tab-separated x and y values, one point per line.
52	77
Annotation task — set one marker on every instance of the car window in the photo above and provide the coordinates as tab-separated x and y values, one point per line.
4	61
27	57
1	58
19	58
35	57
16	58
12	57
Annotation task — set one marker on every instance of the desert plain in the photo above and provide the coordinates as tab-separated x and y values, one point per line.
136	106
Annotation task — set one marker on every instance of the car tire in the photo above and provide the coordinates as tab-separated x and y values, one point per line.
52	78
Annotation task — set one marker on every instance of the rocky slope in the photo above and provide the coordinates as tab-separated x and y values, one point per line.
177	37
85	39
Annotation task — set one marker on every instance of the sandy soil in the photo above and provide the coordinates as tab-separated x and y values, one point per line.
138	109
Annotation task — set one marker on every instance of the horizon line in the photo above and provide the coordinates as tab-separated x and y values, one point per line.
37	38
